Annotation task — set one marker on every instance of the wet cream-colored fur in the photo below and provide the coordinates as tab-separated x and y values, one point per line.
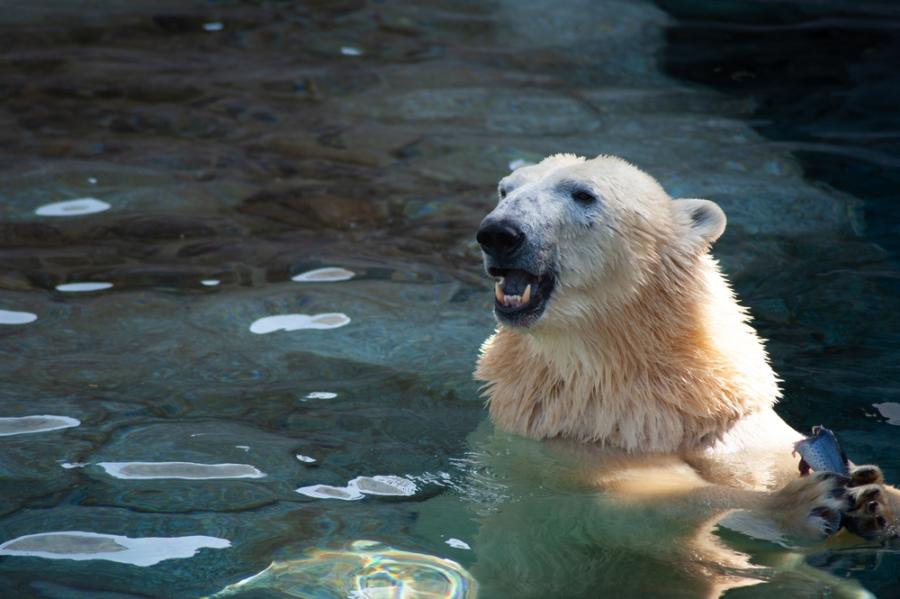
643	346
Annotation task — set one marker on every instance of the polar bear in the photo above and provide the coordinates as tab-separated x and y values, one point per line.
620	340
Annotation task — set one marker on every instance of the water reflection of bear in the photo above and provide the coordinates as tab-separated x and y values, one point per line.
620	339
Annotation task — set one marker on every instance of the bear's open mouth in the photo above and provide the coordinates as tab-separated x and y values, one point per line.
519	296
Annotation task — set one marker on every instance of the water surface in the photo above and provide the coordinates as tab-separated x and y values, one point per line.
205	168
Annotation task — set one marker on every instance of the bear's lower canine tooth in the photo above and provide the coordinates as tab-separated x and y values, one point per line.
526	297
498	292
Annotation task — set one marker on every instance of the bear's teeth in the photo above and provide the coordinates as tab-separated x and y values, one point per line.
512	300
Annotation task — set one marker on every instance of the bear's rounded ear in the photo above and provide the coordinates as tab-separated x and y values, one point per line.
704	220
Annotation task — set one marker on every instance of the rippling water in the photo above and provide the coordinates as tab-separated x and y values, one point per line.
237	261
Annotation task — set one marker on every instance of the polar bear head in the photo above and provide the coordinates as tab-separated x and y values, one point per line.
572	239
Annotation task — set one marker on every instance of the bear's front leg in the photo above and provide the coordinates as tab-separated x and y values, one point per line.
817	505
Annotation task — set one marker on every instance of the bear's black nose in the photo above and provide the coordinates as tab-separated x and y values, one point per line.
499	237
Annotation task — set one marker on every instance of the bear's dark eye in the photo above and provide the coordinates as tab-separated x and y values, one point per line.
583	197
502	193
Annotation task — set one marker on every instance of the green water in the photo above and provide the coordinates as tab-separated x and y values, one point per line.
239	145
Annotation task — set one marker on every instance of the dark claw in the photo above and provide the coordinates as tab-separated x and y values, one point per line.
866	475
837	493
871	494
832	519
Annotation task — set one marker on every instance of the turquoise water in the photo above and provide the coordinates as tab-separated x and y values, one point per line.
221	150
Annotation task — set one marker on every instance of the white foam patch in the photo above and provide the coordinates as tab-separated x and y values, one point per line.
71	465
12	317
82	287
457	544
73	207
324	275
305	459
78	545
295	322
890	410
388	485
351	51
243	447
384	485
321	395
213	26
182	470
347	493
22	425
92	180
210	282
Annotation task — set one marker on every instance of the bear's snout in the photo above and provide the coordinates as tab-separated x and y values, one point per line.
499	237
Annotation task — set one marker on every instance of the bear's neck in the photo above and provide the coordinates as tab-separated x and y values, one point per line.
673	370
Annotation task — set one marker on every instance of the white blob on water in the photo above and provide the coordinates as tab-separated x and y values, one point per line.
92	180
321	395
388	485
214	26
305	459
324	275
457	544
244	447
73	207
294	322
79	545
890	410
21	425
210	282
351	51
182	470
11	317
519	163
347	493
71	465
384	485
82	287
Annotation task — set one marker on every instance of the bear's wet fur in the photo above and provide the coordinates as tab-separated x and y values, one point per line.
644	346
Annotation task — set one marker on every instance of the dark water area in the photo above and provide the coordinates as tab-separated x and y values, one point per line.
220	152
823	82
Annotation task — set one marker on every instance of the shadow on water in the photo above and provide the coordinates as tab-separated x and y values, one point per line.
170	170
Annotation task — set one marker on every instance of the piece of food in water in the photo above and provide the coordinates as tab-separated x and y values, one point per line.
822	453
